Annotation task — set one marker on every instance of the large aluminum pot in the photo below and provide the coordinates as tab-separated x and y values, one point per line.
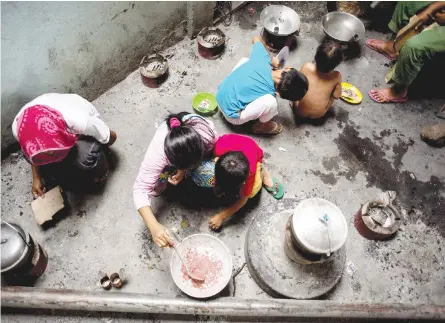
280	20
343	27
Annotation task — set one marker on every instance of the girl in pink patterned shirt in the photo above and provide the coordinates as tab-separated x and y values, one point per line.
180	142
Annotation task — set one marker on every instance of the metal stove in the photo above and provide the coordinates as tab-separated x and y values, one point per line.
211	42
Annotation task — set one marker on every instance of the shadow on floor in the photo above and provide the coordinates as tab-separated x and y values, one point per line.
192	197
330	114
76	188
428	84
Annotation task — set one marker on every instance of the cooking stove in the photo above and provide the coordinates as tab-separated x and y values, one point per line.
275	43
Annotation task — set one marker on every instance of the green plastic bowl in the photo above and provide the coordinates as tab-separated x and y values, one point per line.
205	103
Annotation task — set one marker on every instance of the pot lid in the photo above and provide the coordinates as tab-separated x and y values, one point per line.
319	226
280	20
13	244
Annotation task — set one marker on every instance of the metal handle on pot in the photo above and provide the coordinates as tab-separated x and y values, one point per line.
144	59
12	227
276	29
354	38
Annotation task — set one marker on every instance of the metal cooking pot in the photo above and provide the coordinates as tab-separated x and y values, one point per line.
23	259
343	27
318	226
16	248
280	20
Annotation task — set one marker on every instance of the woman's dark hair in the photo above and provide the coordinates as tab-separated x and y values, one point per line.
183	145
231	171
293	85
329	54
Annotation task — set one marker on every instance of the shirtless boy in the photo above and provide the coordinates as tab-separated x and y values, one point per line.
324	82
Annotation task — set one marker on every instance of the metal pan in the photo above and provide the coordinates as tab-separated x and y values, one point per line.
202	243
280	20
343	27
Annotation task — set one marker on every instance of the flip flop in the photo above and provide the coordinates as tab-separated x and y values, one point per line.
277	191
371	43
350	94
275	131
385	99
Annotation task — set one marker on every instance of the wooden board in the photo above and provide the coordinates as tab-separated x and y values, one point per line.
46	207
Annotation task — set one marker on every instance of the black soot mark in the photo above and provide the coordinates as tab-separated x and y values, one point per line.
361	154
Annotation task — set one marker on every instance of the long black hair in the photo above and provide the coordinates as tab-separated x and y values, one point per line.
183	145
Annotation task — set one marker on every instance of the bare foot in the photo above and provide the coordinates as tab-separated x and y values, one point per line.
215	222
270	128
388	95
266	178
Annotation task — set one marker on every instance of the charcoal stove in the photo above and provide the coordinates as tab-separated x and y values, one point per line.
378	219
275	43
154	70
305	274
211	42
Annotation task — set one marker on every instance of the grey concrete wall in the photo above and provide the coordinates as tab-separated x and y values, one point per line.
199	14
79	47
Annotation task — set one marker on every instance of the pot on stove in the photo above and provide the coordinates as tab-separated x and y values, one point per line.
280	20
318	227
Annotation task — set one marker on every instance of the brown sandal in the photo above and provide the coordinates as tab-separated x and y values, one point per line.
278	128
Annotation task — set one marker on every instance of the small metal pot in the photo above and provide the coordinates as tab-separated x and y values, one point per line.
211	42
154	70
117	279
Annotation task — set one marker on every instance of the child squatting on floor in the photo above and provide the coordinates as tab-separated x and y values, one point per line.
324	82
238	173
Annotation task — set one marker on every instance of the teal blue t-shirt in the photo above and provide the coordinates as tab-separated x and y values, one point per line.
247	83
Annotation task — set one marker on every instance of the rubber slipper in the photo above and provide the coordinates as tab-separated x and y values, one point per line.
275	131
277	191
385	99
350	94
369	43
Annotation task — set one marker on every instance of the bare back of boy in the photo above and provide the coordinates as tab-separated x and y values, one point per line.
324	88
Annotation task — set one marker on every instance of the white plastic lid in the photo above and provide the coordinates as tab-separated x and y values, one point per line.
319	225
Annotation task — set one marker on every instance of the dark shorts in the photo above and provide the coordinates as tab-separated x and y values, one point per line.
85	161
88	155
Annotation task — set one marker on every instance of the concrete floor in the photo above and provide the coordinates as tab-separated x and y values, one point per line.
359	152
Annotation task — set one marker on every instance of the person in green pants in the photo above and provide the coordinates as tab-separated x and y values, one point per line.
415	52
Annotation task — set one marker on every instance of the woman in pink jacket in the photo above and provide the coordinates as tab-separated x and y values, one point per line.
180	143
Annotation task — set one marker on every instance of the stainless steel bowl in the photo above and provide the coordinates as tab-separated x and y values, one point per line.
280	20
343	27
